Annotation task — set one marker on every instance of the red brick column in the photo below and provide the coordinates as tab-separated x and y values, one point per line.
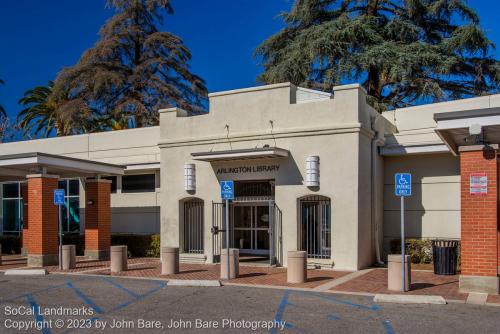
25	238
479	221
42	220
98	219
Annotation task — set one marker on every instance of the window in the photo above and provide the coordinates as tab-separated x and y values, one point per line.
70	211
141	183
113	182
12	208
315	226
193	226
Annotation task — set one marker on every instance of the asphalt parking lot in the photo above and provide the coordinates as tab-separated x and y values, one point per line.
86	304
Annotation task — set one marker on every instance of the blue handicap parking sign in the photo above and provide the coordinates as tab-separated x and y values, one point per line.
227	189
403	184
59	197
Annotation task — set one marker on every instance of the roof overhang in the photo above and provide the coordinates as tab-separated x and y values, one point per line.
242	154
17	166
453	127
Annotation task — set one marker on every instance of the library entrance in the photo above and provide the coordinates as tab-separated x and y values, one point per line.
254	223
251	229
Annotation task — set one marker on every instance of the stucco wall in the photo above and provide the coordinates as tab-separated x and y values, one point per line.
331	129
433	211
131	212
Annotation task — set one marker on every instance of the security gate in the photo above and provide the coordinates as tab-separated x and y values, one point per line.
248	232
193	226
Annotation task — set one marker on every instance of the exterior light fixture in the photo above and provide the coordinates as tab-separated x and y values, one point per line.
189	177
312	171
475	129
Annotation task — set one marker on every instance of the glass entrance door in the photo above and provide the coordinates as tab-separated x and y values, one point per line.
251	228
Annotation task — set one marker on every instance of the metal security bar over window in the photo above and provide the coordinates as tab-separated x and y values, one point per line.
193	226
315	226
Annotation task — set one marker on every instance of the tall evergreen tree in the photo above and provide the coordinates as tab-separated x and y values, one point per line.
134	69
403	51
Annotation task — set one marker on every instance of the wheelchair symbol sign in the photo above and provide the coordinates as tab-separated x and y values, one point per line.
227	189
402	184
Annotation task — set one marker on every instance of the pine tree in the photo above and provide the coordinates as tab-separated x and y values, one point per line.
134	69
403	51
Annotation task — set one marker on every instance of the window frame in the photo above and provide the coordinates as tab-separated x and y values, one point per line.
141	191
322	213
67	198
20	208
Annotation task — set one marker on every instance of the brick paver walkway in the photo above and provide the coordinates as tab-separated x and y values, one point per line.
423	283
247	274
494	299
13	261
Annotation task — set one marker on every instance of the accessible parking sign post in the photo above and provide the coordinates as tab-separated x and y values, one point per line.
227	194
59	201
402	189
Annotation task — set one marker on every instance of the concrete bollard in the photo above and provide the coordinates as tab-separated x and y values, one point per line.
68	257
169	260
234	263
395	273
297	267
118	258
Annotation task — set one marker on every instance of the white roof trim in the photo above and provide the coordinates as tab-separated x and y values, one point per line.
394	150
147	166
244	154
466	122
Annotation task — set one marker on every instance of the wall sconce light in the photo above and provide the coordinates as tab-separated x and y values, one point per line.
312	171
189	177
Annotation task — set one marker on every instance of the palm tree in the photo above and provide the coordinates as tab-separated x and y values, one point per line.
2	110
46	112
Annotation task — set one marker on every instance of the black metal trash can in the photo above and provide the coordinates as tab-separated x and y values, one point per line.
444	256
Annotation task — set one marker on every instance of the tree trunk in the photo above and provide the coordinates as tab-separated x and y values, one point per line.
373	88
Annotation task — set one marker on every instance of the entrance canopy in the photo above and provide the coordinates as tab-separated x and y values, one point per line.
468	127
242	154
16	166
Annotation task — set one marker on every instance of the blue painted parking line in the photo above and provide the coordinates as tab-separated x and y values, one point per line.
388	327
53	287
85	298
281	310
333	317
161	285
376	315
121	287
38	317
374	307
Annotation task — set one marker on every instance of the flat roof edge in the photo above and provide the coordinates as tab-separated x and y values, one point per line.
250	89
471	113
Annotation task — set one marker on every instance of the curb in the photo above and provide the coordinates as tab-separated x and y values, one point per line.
409	299
181	282
25	272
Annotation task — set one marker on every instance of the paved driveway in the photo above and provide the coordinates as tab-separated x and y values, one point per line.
133	305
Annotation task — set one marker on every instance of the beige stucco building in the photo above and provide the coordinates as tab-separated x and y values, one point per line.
312	171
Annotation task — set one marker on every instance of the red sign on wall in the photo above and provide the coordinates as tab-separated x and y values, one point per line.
478	184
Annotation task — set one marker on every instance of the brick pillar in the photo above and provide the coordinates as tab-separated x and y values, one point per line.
479	221
98	219
24	237
42	220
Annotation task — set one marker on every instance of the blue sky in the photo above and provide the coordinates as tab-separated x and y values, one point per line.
38	38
